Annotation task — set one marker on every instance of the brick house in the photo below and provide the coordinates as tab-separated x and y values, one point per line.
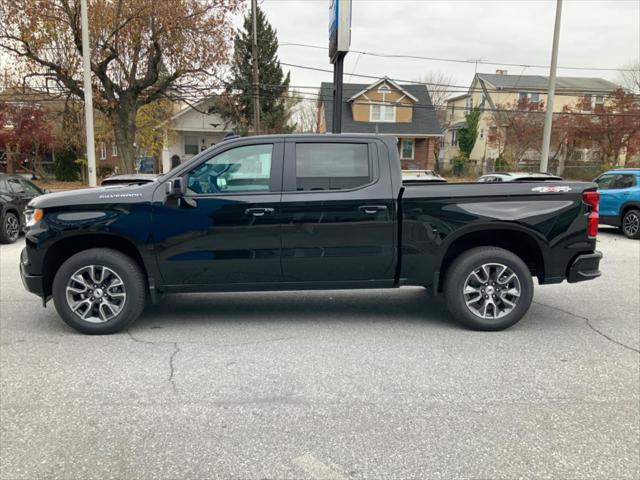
386	107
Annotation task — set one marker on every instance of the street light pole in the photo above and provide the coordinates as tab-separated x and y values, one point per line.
256	77
548	118
88	97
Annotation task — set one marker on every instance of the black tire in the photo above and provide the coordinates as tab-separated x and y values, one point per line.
630	224
461	271
120	265
10	228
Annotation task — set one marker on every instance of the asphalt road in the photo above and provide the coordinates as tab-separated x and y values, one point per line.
327	385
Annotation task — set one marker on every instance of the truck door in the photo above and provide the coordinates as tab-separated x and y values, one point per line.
226	229
338	212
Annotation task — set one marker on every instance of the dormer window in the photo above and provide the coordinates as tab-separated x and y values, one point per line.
383	113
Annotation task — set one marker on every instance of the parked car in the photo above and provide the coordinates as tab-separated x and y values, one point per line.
421	176
518	177
15	193
620	200
130	179
291	212
145	165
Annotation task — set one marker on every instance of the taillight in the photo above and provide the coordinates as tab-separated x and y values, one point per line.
592	198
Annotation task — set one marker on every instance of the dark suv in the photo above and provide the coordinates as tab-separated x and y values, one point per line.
15	193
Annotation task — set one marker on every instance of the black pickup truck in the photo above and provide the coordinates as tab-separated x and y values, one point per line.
294	212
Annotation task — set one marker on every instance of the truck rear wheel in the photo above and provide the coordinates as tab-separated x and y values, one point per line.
99	291
488	288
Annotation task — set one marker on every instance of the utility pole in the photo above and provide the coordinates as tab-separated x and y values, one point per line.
338	68
548	118
88	96
339	42
256	77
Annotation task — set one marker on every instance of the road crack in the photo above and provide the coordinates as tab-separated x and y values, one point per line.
137	340
172	368
590	325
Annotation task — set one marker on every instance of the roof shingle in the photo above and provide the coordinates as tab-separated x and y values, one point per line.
541	82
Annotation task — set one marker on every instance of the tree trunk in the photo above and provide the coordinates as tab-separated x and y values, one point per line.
123	122
562	158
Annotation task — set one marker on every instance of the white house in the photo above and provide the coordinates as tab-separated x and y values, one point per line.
191	130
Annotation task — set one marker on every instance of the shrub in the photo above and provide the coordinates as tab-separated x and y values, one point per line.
458	163
65	167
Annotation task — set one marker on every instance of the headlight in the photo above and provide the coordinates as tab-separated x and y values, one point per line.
33	216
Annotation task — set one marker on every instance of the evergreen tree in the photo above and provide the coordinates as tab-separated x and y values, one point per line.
237	103
467	136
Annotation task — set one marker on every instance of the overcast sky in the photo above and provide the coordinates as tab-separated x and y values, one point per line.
593	34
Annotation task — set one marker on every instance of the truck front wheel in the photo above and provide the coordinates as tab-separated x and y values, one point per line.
488	288
99	291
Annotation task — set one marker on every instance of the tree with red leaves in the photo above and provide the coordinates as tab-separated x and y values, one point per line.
25	135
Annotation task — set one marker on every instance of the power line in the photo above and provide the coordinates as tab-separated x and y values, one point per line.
462	88
454	60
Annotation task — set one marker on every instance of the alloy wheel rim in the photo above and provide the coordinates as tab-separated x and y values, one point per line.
631	224
12	227
491	291
95	293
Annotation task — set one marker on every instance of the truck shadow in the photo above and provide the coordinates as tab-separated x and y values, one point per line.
406	305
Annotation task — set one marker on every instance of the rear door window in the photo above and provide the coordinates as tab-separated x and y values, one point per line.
624	181
332	166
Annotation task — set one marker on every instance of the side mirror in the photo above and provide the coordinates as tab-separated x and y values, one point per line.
176	187
45	191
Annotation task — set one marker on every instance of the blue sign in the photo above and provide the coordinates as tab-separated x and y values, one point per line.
339	27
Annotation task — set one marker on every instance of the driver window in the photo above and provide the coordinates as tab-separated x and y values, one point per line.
241	169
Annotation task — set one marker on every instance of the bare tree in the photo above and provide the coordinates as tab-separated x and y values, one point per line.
141	51
629	78
305	115
439	86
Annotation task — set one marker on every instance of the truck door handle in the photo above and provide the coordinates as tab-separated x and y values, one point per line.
258	212
371	209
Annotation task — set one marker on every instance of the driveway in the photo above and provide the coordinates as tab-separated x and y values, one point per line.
327	385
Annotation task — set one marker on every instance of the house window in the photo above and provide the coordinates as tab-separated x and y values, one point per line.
534	98
454	138
597	102
407	149
383	113
191	145
528	99
468	105
384	88
102	151
114	150
481	133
